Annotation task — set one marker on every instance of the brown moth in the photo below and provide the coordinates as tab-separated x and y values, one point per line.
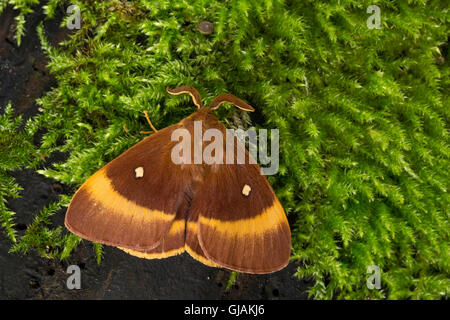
222	214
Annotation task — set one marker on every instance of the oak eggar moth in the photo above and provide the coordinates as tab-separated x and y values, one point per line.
222	214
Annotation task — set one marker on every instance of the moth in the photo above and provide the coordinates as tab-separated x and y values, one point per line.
150	206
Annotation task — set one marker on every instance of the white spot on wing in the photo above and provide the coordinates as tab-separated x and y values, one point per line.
139	172
246	190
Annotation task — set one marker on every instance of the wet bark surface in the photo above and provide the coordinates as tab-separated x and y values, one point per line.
24	78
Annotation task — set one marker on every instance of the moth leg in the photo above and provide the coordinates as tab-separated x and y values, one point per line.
150	123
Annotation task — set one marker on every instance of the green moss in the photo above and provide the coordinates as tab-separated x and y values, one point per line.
363	118
16	150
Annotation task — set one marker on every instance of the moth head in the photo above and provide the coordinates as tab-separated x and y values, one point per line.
215	103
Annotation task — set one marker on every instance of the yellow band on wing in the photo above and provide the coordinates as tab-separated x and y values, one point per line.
269	219
176	230
177	226
101	191
200	258
192	230
158	255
